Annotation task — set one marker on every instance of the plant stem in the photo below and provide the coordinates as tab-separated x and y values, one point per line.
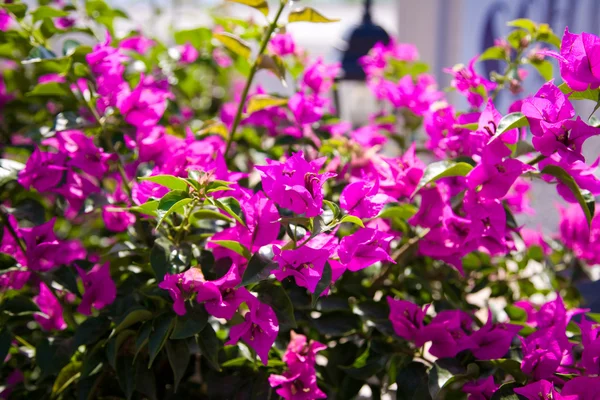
66	311
185	222
537	159
253	70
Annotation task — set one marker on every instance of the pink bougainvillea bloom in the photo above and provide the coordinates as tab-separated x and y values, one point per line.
579	60
493	340
5	20
220	297
47	78
534	237
43	171
449	333
364	248
542	390
319	76
482	389
262	220
139	44
431	210
581	388
548	105
304	264
582	173
282	44
518	197
181	286
297	384
146	104
295	184
302	351
188	53
76	189
51	316
116	220
259	329
541	355
564	138
306	108
64	22
12	380
406	317
494	180
469	83
99	288
42	246
362	200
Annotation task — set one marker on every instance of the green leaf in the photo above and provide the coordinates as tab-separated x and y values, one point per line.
5	341
412	381
261	101
443	169
148	208
308	14
508	122
125	369
366	365
589	94
544	67
172	202
47	12
260	5
523	23
91	330
323	284
38	54
159	260
234	246
191	323
17	9
277	298
403	211
114	344
231	206
209	346
337	323
510	366
274	64
208	214
493	53
179	358
259	268
143	335
168	181
568	180
70	47
48	89
234	44
132	318
506	392
353	220
545	34
160	332
68	375
515	38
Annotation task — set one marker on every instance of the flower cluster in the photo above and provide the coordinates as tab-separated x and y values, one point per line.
159	214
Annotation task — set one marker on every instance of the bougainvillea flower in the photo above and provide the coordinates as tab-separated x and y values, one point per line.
305	264
43	171
42	246
494	180
581	388
542	390
297	384
262	220
549	105
51	316
449	333
578	60
470	84
306	108
319	76
362	200
145	105
259	329
282	44
139	44
99	288
295	184
302	351
406	317
582	173
564	138
187	53
493	340
364	248
181	286
541	356
482	389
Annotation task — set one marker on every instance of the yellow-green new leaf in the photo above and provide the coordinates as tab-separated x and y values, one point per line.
262	101
274	64
260	5
234	43
309	14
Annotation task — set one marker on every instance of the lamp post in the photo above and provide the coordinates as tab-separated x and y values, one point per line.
351	95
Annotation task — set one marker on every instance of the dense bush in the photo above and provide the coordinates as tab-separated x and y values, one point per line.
171	230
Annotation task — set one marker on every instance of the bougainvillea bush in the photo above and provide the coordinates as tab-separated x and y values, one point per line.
170	229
